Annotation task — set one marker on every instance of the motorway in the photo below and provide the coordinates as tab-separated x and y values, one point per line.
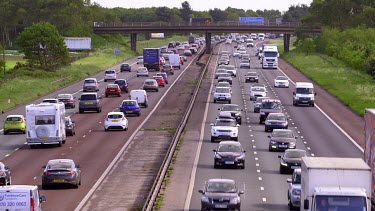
265	188
91	147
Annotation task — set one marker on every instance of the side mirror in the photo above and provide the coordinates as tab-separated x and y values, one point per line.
279	156
77	166
294	93
42	199
306	204
241	192
44	167
289	180
201	191
212	124
214	150
315	93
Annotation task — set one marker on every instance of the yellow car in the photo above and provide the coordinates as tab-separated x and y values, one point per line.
15	123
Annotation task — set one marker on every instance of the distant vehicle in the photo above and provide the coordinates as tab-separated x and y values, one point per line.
251	77
222	94
281	139
245	64
45	124
196	21
171	44
14	123
90	84
175	61
125	67
224	129
25	197
70	126
123	84
142	71
257	92
261	36
291	159
294	189
160	80
224	84
223	61
151	84
68	99
275	121
191	39
61	172
112	89
215	190
304	94
151	58
167	68
269	56
164	75
225	77
258	103
188	53
140	60
229	153
193	50
110	75
140	96
269	106
90	102
232	70
115	120
219	72
234	110
281	81
129	107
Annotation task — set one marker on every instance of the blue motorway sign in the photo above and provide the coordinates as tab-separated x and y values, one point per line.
251	20
117	51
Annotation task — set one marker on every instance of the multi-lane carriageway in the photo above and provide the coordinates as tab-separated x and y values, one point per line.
265	188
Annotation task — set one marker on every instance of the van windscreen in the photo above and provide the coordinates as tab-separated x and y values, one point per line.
304	91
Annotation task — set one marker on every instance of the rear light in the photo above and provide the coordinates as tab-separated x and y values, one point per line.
31	204
22	121
71	172
47	173
70	100
123	118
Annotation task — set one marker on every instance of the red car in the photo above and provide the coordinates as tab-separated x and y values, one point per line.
160	80
112	89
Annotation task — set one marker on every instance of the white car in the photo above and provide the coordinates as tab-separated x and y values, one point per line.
257	92
222	94
142	71
236	54
115	120
110	75
281	81
140	60
224	84
245	64
224	129
232	70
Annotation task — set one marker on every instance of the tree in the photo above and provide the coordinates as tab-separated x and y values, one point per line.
185	11
43	46
218	15
295	13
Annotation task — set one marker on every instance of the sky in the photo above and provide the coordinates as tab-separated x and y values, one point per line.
205	5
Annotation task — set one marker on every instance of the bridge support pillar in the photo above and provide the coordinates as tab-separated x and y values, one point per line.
133	41
208	42
286	42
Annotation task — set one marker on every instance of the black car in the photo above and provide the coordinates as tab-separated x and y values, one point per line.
61	172
125	67
275	121
291	159
282	139
251	77
220	194
5	177
229	153
70	126
123	84
235	111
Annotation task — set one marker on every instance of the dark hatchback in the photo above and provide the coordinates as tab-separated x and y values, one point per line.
229	153
125	67
61	172
220	194
129	107
123	84
275	121
282	139
234	110
291	159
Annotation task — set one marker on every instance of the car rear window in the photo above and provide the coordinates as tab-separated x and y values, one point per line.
149	82
112	86
90	81
13	119
88	97
120	82
125	65
109	72
128	103
64	96
62	165
115	116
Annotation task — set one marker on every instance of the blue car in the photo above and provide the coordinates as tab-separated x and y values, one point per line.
129	107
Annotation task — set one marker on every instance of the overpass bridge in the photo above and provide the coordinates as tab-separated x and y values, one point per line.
286	28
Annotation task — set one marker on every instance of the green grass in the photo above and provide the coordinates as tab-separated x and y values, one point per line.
28	84
280	44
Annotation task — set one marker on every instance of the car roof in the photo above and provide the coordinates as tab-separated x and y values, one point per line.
115	112
294	150
230	143
222	180
49	99
60	160
304	85
275	130
130	101
89	93
64	95
271	100
14	115
225	120
277	114
90	79
229	105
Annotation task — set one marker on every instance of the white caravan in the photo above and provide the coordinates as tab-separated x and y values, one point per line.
45	124
269	56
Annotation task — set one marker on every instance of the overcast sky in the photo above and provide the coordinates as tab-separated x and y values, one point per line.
205	5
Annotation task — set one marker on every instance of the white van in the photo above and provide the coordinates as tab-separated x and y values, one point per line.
175	61
304	94
45	124
20	198
140	96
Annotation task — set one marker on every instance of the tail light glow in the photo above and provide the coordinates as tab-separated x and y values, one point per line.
31	204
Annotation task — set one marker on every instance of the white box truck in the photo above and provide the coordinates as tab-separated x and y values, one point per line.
45	124
369	155
175	61
269	56
20	198
329	183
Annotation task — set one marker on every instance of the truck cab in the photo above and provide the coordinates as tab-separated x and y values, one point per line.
269	56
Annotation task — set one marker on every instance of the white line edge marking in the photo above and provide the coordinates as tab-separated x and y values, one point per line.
114	161
194	170
331	120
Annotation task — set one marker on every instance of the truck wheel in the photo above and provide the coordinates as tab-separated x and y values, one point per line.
32	146
80	111
44	186
214	101
59	144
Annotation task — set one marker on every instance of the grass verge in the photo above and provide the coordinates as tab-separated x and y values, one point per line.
354	88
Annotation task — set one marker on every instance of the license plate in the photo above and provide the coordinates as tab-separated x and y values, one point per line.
283	146
88	103
229	162
43	139
295	167
58	180
114	120
221	206
304	101
112	90
129	111
222	98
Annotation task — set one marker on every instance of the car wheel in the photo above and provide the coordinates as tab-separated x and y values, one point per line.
105	129
10	181
137	75
105	80
5	132
126	128
139	114
32	146
80	111
44	186
313	105
215	166
64	141
212	139
119	95
214	101
106	95
281	171
59	144
75	186
265	129
229	101
146	105
235	139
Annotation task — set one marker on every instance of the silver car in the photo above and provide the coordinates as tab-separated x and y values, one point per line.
150	84
222	94
219	72
142	71
294	189
90	84
225	77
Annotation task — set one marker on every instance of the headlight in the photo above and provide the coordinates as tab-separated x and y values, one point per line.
205	199
272	142
284	124
296	192
242	157
267	123
262	113
217	156
235	200
292	143
282	162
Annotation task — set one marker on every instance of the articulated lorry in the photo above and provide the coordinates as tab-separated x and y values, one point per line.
339	184
369	155
269	56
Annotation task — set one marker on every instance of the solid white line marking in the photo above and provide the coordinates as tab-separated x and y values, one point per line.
308	148
256	158
305	142
89	131
16	149
35	177
255	153
84	136
257	164
312	154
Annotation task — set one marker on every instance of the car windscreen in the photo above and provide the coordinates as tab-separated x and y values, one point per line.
221	187
59	166
281	78
230	108
88	97
226	123
13	119
304	91
114	116
282	133
222	90
229	148
295	154
128	103
276	117
44	120
271	105
149	82
89	81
